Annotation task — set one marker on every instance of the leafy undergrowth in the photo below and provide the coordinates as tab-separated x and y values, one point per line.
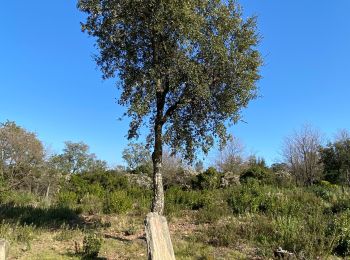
247	221
122	238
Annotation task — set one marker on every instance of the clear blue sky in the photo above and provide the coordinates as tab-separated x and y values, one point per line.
49	82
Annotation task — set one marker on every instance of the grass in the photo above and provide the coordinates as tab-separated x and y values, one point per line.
242	222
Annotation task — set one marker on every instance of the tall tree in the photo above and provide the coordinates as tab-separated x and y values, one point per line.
185	68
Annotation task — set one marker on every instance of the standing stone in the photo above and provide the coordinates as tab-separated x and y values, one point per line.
3	249
159	246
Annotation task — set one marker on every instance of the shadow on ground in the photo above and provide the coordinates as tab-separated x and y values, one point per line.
52	217
81	256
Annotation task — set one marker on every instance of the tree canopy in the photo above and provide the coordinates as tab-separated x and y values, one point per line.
21	153
189	66
185	69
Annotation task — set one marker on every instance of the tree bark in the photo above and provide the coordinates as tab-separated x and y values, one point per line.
47	192
158	191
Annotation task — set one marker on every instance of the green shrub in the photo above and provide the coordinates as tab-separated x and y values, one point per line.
117	202
223	235
21	198
212	213
141	199
91	245
325	190
255	172
65	234
96	183
17	232
208	180
67	199
340	227
247	198
91	204
341	205
146	169
184	199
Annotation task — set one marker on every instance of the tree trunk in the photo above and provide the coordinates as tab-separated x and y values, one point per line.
158	191
47	192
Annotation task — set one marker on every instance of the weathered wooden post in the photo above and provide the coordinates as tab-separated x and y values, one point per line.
3	249
159	246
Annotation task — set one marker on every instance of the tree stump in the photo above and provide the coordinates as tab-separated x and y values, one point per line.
159	246
3	249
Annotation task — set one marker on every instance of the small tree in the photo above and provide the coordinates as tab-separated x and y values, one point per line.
185	68
301	151
76	158
336	160
231	157
21	155
136	155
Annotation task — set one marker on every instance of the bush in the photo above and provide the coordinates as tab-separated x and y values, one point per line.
212	212
208	180
223	235
249	198
325	190
20	198
255	172
141	199
192	199
17	232
65	234
146	169
340	227
91	245
91	204
341	205
117	202
96	183
67	199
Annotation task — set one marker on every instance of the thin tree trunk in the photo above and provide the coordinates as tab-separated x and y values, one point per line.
48	192
158	191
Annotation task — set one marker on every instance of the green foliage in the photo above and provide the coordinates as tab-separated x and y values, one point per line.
96	183
136	155
146	169
91	204
192	199
341	204
17	232
117	202
91	245
67	199
255	198
65	234
141	198
212	212
325	190
108	192
256	172
208	180
20	198
186	65
336	159
223	235
22	154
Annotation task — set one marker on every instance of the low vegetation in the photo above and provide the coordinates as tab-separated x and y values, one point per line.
98	213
